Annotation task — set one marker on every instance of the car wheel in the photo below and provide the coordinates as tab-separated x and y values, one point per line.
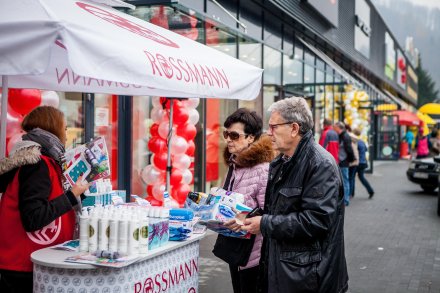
428	189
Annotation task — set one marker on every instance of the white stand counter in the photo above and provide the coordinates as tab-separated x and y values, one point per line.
173	267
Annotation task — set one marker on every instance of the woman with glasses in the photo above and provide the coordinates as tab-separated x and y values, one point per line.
248	154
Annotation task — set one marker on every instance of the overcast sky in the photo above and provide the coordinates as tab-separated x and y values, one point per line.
427	3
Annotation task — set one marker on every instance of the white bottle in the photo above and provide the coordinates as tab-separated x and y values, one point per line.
166	199
93	231
103	235
133	234
113	238
123	234
84	231
165	224
143	232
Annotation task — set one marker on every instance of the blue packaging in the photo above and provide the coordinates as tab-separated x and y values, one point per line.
180	225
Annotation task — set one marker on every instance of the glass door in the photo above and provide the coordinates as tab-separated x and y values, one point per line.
387	139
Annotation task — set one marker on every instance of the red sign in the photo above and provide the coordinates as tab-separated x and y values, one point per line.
127	24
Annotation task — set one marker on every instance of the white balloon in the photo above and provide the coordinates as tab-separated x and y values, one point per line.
156	102
193	116
192	103
181	162
158	114
187	176
150	175
164	129
179	145
158	190
50	98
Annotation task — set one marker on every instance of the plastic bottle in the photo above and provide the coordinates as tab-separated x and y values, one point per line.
84	231
113	238
93	231
133	234
123	234
143	231
164	226
103	235
166	199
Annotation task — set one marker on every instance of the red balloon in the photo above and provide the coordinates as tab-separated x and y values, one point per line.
23	101
165	102
180	115
157	144
180	193
150	191
187	131
154	129
176	177
160	160
191	148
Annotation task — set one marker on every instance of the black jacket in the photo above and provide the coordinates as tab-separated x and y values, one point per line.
346	153
303	244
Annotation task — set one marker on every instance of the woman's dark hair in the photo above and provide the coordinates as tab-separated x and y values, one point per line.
253	124
47	118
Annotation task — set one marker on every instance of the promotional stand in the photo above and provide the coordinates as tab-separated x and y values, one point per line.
173	267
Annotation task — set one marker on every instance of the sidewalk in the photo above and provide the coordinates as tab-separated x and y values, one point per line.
392	241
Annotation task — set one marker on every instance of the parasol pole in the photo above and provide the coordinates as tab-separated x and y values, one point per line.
170	134
4	113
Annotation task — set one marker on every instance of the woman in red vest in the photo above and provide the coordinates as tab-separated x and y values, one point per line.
35	210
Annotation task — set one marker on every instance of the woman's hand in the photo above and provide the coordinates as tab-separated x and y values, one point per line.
233	225
79	187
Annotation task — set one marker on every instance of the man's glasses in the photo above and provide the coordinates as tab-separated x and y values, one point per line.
273	126
233	135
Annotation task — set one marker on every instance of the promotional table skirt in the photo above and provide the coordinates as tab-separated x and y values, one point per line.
173	267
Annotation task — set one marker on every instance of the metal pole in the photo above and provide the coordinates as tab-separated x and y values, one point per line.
3	116
170	134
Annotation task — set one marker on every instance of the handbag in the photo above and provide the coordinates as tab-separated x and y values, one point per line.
232	250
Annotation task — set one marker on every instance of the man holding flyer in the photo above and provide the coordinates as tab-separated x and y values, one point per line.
302	228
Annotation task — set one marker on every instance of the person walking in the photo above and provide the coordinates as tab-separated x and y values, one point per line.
303	222
248	154
422	145
363	163
34	201
352	166
346	156
329	139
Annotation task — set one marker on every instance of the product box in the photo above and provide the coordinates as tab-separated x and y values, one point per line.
114	197
181	224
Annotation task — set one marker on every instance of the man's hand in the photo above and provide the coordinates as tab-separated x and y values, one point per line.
233	225
252	225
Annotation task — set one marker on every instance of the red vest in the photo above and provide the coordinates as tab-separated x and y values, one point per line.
16	245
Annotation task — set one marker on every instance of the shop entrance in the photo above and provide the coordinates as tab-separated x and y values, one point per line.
387	140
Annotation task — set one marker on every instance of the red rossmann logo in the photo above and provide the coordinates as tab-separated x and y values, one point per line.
127	24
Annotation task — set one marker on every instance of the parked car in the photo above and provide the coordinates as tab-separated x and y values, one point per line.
425	172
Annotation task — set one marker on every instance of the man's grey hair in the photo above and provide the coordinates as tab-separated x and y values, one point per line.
340	125
294	109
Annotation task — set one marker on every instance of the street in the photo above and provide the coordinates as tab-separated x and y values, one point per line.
392	241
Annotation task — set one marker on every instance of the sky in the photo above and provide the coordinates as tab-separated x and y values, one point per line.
427	3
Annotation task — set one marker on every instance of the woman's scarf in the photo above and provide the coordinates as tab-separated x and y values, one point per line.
51	145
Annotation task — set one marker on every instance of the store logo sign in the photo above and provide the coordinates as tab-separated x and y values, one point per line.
127	24
48	234
363	26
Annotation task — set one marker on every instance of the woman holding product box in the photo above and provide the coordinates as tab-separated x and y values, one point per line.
35	211
248	154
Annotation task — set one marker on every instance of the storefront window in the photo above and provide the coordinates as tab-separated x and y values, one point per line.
270	95
272	66
309	74
251	16
250	52
292	71
71	105
106	125
215	11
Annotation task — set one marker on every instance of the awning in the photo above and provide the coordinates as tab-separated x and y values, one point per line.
426	118
430	108
347	76
407	118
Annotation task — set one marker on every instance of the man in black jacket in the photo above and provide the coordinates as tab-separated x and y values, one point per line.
346	156
303	244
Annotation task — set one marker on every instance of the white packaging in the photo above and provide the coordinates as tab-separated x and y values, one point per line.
93	232
113	238
103	236
133	235
84	231
123	235
143	232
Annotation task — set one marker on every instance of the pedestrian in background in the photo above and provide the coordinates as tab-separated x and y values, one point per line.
33	200
248	154
303	221
329	139
409	138
363	163
352	169
346	156
422	145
